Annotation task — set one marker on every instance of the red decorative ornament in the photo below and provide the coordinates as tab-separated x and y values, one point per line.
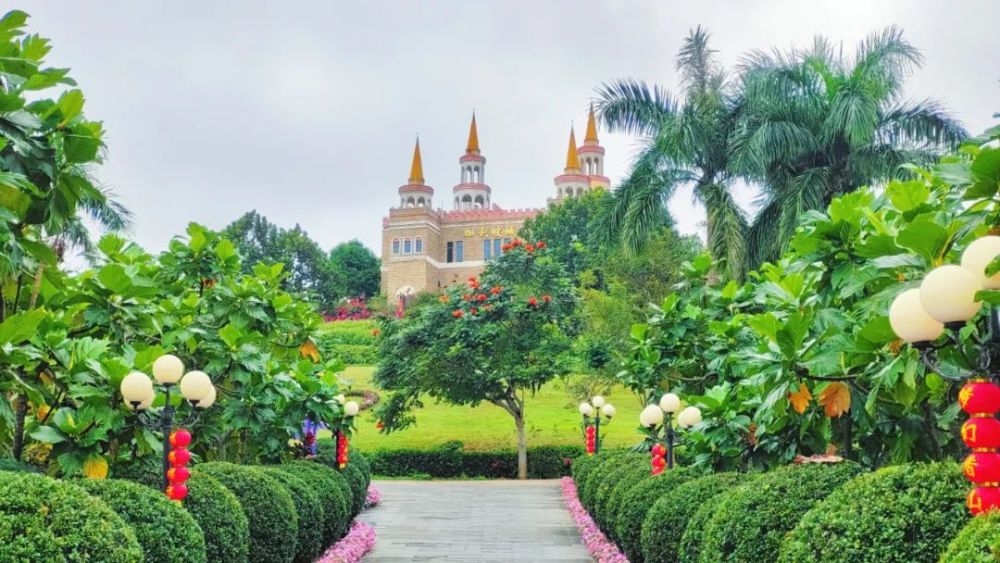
981	432
658	462
177	475
982	467
177	492
983	499
179	457
979	397
180	438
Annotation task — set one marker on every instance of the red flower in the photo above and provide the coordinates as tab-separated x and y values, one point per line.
474	311
458	313
529	247
376	332
507	247
540	244
547	298
496	289
516	243
467	297
532	301
481	297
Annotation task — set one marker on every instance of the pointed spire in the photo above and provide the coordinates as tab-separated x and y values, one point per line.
591	137
473	146
417	168
572	159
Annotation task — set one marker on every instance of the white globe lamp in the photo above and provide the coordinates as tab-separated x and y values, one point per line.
948	294
168	369
651	416
910	321
670	403
978	256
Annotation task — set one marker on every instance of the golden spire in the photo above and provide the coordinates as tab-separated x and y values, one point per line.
572	159
591	137
473	145
417	168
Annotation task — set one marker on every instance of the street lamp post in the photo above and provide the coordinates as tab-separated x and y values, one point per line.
138	394
595	408
652	417
351	409
943	304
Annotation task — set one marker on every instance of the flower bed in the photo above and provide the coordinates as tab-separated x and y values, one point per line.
352	547
602	550
373	497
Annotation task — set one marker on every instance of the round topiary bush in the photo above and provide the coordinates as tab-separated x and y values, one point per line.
668	518
269	508
978	542
220	517
166	532
751	521
359	488
42	519
363	463
581	466
312	518
607	514
637	502
588	493
689	550
326	482
897	514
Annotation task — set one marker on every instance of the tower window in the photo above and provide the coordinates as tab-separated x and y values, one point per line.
487	248
451	252
496	247
418	245
407	245
395	246
459	254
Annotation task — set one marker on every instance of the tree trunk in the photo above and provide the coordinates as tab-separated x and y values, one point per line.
20	411
522	446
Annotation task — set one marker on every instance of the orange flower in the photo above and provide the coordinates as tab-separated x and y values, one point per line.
507	247
547	298
457	313
443	299
481	297
529	247
379	425
496	289
532	301
376	332
540	244
467	297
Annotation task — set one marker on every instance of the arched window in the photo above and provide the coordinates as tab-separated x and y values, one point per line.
466	202
456	202
407	246
418	245
479	202
395	246
410	202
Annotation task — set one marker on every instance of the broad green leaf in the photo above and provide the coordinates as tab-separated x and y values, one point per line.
21	326
986	173
70	104
81	148
225	250
878	330
115	278
48	435
925	238
906	196
230	335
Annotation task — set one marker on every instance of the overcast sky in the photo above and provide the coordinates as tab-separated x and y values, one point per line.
307	111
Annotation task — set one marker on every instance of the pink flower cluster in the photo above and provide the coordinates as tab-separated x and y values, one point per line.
352	310
352	547
602	550
373	497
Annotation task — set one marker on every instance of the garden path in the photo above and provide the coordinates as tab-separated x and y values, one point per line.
473	521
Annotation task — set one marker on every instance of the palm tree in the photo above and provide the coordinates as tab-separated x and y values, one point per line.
685	141
815	124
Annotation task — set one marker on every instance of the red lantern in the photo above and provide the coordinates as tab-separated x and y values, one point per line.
177	492
982	467
981	432
179	457
979	397
983	499
178	475
180	438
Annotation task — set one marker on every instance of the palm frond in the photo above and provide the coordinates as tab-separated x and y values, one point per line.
883	60
697	63
632	106
920	124
727	227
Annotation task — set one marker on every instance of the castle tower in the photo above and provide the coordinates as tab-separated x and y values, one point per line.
572	182
415	193
472	192
592	155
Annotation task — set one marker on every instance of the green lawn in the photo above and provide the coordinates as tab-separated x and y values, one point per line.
552	419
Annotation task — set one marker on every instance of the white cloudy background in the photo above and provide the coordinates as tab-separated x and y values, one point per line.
307	111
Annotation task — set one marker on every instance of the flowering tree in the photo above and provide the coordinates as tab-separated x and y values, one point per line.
493	339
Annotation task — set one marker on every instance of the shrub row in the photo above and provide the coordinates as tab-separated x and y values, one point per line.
451	460
810	512
351	342
233	513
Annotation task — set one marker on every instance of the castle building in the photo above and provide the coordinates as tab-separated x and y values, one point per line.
427	249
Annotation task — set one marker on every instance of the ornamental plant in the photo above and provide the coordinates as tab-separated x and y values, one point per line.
637	503
978	542
494	339
325	481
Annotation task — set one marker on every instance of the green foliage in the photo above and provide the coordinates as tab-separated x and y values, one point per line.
637	503
897	514
220	516
362	462
42	519
978	542
751	521
268	506
442	461
569	228
166	532
615	500
359	487
587	490
667	520
632	473
358	268
325	481
310	512
691	542
583	465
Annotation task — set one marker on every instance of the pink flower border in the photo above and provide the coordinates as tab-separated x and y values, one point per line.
352	547
602	550
373	497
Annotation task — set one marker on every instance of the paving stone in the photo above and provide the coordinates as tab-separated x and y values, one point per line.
473	522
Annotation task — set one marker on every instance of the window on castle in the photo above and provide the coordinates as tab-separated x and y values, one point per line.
496	247
407	246
459	254
451	252
395	246
487	248
418	245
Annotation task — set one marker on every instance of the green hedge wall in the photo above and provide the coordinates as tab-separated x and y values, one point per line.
326	482
668	518
609	466
351	342
895	515
309	509
42	519
359	487
166	532
611	495
978	542
638	501
751	521
268	506
220	517
689	550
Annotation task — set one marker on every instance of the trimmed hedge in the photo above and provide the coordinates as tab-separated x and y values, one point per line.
978	542
359	487
449	460
689	550
220	517
166	532
326	482
668	518
751	521
588	490
895	515
42	519
312	517
617	486
638	501
268	506
363	463
582	465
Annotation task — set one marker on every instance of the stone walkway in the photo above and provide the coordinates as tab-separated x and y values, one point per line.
473	521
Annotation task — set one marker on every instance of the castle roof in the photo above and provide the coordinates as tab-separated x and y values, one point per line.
591	136
572	158
417	168
472	147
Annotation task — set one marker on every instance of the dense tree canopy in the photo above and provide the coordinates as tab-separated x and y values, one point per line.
357	267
